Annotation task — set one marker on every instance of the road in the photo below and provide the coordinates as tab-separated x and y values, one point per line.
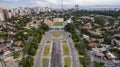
56	54
78	32
37	58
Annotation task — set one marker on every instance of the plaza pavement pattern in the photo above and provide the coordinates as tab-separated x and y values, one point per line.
56	57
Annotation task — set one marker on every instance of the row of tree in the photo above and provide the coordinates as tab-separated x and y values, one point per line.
31	48
79	45
114	14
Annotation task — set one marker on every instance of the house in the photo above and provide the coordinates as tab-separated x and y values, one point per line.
97	52
93	39
25	33
10	32
109	27
95	32
6	52
2	40
87	17
117	35
58	20
100	40
86	37
49	22
96	49
103	49
11	27
116	23
17	43
117	42
93	45
17	49
109	55
9	42
86	26
107	22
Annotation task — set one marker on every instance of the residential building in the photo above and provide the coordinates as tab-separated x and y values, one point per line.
2	16
6	14
58	20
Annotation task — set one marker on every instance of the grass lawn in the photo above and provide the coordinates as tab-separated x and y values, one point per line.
58	24
56	34
65	50
67	62
44	61
46	50
48	42
82	61
98	64
64	41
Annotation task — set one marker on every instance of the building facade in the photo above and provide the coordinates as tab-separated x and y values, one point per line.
6	14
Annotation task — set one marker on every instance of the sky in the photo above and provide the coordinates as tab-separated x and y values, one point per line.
57	3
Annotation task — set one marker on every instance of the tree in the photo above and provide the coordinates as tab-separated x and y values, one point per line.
16	55
65	66
98	64
75	37
27	62
70	28
44	27
1	52
111	20
107	40
23	62
100	21
25	49
32	51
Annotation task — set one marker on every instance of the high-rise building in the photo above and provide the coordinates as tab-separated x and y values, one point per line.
6	15
2	16
10	14
76	7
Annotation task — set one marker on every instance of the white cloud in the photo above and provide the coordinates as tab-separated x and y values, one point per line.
12	0
65	2
71	3
85	2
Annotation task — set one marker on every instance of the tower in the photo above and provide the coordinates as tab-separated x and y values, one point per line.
76	7
6	15
62	5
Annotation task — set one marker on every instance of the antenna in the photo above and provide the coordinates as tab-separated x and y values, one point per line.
62	5
50	5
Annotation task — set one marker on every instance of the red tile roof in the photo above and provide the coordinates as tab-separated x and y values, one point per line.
18	43
4	48
49	22
117	35
2	39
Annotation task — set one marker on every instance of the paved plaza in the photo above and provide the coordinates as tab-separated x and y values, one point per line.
56	57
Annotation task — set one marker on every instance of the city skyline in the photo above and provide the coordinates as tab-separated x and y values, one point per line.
57	3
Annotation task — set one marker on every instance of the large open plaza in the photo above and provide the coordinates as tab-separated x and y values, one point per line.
57	50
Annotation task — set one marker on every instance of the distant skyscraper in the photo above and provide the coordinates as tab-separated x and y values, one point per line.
62	4
6	15
1	16
76	7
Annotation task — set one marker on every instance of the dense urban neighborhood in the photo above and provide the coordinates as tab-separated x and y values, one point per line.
46	37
